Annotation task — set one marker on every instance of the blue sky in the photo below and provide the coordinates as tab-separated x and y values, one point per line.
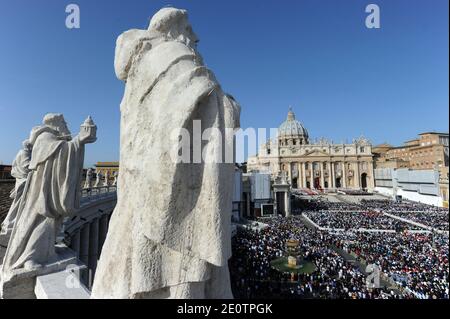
342	79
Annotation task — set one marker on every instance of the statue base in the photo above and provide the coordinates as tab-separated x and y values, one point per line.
301	266
21	283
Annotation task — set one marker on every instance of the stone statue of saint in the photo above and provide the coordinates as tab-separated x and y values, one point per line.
98	179
106	180
115	175
20	172
169	235
51	193
88	182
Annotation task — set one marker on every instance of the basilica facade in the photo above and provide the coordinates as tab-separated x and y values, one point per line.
320	165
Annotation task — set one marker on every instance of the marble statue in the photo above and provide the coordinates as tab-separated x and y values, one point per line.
98	179
169	235
20	170
106	180
88	182
115	175
51	193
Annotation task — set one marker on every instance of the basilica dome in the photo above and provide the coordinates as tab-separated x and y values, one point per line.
292	128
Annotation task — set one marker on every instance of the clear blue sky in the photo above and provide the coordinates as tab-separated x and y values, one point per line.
341	78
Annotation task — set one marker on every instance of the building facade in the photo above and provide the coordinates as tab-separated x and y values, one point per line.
320	165
415	185
428	152
109	169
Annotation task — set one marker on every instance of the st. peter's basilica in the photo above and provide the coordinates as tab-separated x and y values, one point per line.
319	165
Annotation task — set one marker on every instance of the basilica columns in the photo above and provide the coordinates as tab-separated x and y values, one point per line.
333	178
357	177
304	174
344	176
290	173
322	176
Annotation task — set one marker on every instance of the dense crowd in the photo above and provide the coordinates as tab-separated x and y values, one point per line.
435	219
354	192
253	276
403	206
369	214
417	262
355	220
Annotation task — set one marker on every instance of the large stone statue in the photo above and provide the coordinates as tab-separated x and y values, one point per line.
51	193
98	179
20	172
88	181
169	235
106	180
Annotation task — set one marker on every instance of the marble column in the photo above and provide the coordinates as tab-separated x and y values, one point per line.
370	176
344	175
358	177
290	172
333	177
93	245
84	252
322	176
287	204
304	174
75	243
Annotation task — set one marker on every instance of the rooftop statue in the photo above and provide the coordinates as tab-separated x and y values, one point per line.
169	235
88	181
20	170
51	193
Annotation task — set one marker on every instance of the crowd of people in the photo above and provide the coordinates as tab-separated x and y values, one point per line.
416	262
370	214
253	276
428	215
348	219
437	220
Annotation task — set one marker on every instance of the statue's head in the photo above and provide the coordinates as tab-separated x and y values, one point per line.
174	24
26	145
56	122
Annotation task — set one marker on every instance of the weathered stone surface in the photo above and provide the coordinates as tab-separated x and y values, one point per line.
51	193
6	187
20	170
20	283
64	284
169	235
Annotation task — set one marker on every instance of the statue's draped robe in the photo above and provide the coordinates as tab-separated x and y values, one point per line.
169	235
51	193
20	172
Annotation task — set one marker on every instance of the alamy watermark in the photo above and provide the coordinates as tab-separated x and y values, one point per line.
73	17
373	19
373	279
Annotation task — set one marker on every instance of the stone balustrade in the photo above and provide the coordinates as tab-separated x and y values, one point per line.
86	231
